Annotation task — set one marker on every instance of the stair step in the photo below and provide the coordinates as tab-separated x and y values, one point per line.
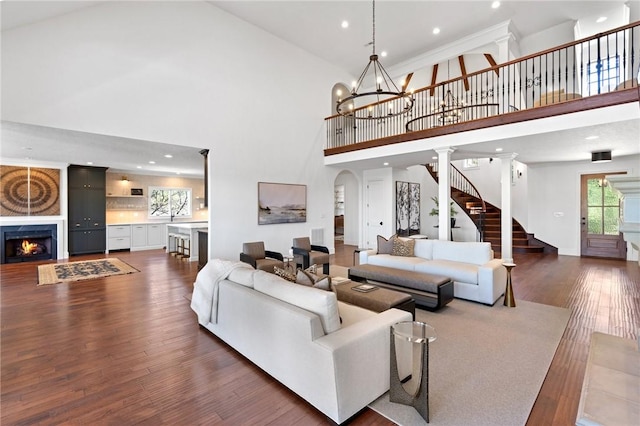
514	241
497	234
520	249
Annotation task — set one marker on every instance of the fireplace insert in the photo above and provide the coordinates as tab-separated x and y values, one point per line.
28	243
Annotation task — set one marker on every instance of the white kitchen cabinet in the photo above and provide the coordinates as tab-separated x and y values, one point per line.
138	236
156	235
148	236
118	237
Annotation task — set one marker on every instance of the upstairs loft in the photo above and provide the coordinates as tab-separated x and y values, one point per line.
593	73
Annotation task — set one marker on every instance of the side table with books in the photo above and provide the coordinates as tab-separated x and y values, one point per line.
372	297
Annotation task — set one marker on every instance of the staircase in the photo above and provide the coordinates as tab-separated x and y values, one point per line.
487	217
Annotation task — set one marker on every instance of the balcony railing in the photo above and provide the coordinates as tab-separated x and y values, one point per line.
604	63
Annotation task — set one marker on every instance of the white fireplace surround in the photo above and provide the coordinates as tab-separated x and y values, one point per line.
20	221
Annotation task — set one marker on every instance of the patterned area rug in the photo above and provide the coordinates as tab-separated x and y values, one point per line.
86	270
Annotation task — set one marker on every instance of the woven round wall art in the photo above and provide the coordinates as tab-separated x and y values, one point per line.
29	191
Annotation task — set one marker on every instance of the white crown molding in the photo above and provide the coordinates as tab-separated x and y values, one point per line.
488	36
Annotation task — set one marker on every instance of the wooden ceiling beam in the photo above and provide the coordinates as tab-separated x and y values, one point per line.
463	71
434	76
492	62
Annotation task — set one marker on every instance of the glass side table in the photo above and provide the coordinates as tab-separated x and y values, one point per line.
409	370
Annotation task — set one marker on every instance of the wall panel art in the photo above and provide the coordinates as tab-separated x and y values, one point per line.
29	191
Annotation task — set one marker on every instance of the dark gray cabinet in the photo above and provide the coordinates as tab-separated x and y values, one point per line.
87	209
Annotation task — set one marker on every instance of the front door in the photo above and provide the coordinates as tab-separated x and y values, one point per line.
600	211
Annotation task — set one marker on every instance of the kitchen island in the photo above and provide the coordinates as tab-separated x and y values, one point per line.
188	231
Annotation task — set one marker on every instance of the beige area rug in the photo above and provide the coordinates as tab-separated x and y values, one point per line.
487	364
76	271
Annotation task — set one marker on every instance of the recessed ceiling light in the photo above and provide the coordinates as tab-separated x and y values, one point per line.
435	157
498	149
152	162
383	53
592	137
138	167
436	30
177	173
345	24
89	163
385	164
168	156
495	5
601	19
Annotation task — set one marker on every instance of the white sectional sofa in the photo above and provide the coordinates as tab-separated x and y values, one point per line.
334	355
476	275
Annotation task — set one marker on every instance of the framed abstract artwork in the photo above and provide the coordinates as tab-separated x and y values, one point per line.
281	203
407	208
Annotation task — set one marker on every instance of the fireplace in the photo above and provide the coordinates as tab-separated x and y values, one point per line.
26	243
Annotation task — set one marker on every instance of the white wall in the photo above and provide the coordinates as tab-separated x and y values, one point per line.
554	36
185	73
554	199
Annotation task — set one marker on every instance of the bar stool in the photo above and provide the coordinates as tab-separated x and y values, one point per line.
173	243
184	246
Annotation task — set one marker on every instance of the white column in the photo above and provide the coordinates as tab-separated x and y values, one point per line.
506	219
444	192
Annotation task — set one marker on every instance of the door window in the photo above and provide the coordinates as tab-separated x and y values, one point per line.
603	207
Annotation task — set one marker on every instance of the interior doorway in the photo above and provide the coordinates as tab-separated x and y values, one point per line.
346	209
599	224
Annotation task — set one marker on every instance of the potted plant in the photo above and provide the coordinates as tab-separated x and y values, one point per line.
435	211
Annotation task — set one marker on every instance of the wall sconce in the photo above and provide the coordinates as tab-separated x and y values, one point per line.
124	179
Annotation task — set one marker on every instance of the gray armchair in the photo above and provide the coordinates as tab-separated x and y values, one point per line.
307	254
255	255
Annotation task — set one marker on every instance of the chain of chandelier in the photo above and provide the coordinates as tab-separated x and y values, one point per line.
384	100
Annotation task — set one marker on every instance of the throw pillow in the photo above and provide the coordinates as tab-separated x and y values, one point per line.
403	247
312	280
283	273
386	246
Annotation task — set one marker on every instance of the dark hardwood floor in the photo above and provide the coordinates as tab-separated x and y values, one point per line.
127	349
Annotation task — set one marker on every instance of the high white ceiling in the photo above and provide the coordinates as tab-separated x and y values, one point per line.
403	29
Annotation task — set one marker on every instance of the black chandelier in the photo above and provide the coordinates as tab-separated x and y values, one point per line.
379	99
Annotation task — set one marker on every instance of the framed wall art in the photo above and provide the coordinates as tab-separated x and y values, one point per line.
29	191
281	203
407	208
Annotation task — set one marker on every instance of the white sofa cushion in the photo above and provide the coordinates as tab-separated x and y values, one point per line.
399	262
320	302
467	252
243	276
423	249
457	271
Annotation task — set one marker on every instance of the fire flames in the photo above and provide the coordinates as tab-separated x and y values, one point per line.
29	248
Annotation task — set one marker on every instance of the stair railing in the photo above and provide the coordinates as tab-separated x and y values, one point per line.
464	185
